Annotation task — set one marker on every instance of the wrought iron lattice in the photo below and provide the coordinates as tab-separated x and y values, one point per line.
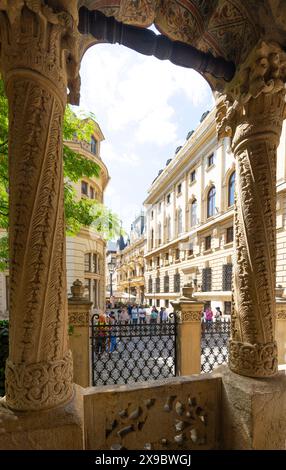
177	282
128	353
150	284
206	279
227	276
214	344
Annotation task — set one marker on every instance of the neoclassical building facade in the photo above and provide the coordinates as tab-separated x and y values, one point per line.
189	214
130	266
85	252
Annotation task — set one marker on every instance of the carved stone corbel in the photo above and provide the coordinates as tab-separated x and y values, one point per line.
252	111
39	61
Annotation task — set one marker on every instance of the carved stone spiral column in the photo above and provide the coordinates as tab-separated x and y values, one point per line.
38	61
252	112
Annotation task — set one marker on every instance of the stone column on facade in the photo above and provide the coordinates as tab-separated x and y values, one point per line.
281	326
252	111
79	334
38	61
189	332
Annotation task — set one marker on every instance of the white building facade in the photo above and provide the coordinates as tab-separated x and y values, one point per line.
189	214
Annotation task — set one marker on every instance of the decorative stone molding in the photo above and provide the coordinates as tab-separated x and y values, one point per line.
252	112
253	360
190	316
281	315
35	37
78	318
131	417
40	385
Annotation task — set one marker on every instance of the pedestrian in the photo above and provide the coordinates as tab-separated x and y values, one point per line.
134	315
112	331
142	315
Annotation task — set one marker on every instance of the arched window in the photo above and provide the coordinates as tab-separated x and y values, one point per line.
194	213
180	221
231	187
211	202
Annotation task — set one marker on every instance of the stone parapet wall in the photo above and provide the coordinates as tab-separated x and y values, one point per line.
179	413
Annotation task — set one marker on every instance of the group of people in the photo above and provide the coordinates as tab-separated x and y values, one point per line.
130	315
209	316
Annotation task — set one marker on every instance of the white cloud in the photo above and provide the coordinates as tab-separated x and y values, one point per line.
144	107
109	154
130	89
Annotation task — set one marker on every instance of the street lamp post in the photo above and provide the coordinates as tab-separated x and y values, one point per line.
129	280
111	269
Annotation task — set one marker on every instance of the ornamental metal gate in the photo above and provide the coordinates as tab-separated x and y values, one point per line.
127	353
214	344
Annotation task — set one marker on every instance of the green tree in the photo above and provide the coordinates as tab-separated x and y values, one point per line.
78	213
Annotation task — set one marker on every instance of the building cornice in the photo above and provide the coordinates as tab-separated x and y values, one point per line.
189	149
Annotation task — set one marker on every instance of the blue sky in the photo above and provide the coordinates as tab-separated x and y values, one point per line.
145	108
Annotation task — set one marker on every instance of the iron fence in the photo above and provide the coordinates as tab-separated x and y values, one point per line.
128	353
214	344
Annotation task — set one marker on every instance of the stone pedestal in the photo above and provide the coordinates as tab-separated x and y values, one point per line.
79	334
59	428
189	333
281	329
253	411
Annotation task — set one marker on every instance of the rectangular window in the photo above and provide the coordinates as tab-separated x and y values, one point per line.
177	254
87	289
95	263
157	284
167	303
168	198
227	277
87	260
158	261
210	160
193	176
227	308
152	215
166	283
229	234
158	303
177	282
207	279
150	285
93	144
150	302
208	242
166	256
84	188
190	252
179	188
91	192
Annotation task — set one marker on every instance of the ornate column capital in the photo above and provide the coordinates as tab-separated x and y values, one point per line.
34	38
263	76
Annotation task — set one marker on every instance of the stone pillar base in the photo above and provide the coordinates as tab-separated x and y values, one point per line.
253	411
59	428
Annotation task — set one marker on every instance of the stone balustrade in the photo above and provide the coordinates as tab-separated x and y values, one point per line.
177	413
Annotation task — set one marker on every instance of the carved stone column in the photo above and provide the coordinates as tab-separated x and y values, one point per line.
79	337
252	113
189	333
38	60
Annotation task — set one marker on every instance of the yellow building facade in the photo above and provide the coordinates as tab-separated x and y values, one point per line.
189	220
130	267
